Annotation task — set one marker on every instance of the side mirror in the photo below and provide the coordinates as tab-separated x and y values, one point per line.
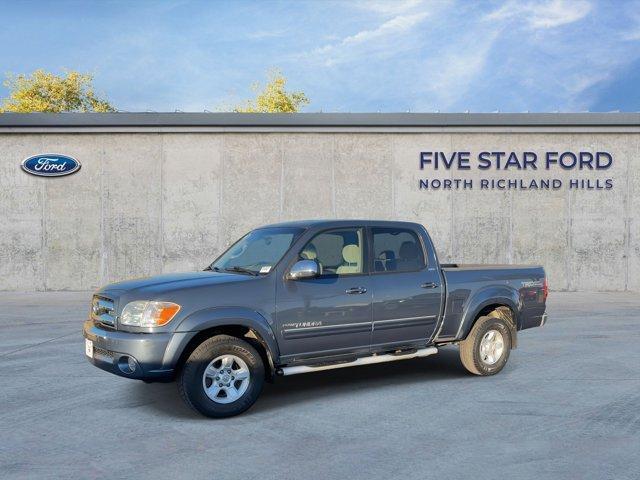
304	269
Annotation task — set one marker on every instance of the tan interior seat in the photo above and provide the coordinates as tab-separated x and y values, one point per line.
351	260
311	253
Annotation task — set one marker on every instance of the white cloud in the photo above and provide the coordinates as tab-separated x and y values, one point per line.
563	70
262	34
519	58
545	14
393	29
388	7
374	41
455	69
560	69
395	26
633	14
631	36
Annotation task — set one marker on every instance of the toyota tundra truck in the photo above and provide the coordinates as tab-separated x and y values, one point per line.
308	296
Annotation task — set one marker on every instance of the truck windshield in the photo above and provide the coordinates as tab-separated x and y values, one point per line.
257	252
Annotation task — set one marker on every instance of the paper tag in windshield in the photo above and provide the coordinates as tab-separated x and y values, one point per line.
266	269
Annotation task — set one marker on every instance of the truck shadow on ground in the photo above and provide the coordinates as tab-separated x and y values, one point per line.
311	387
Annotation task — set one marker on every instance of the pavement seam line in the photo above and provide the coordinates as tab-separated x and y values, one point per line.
36	344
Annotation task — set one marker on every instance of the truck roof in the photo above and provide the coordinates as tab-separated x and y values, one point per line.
341	223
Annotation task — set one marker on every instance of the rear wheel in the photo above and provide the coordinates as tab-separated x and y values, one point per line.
486	349
222	377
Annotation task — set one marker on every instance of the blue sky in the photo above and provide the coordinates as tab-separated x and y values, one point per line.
347	56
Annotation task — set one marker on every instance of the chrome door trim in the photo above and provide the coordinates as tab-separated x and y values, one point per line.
303	332
403	322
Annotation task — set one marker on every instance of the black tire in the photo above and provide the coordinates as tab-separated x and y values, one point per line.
190	381
470	348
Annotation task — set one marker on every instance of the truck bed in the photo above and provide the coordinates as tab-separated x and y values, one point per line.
470	285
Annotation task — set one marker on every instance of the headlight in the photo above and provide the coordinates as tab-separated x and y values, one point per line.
142	313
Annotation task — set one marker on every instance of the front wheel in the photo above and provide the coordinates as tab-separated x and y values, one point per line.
222	377
486	349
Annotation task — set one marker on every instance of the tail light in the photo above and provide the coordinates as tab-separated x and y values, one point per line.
545	288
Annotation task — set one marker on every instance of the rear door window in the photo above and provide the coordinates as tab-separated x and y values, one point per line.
396	250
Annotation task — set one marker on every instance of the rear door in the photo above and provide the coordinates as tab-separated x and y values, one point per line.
330	314
406	290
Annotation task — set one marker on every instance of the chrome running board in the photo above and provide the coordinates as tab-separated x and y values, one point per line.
389	357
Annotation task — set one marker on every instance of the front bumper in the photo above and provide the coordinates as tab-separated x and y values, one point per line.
153	355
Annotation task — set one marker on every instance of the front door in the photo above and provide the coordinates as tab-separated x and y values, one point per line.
330	314
407	292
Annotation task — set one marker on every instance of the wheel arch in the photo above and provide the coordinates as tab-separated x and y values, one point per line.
504	312
502	304
247	325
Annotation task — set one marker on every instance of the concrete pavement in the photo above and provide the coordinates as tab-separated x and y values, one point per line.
566	406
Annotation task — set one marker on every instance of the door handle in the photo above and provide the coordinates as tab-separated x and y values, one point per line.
356	290
429	285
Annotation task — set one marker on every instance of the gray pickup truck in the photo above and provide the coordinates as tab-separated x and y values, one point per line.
307	296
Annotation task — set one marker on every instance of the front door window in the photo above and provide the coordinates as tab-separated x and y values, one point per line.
338	252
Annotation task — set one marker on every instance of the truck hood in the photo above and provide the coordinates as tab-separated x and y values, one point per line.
159	284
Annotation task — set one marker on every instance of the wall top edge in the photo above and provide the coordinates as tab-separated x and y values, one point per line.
318	130
315	120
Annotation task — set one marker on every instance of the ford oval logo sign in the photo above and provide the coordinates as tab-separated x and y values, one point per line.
51	165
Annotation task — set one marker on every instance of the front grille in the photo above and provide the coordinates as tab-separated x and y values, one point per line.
103	311
102	352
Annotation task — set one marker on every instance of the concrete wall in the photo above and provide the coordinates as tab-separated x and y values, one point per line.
145	203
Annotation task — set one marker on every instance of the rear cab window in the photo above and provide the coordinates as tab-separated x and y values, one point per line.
396	250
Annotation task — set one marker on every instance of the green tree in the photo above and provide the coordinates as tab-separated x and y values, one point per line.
273	98
46	92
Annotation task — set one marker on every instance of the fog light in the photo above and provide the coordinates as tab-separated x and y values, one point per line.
127	364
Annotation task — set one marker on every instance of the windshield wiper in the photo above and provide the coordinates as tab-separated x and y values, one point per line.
239	269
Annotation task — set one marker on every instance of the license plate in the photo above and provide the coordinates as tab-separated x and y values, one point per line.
88	347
